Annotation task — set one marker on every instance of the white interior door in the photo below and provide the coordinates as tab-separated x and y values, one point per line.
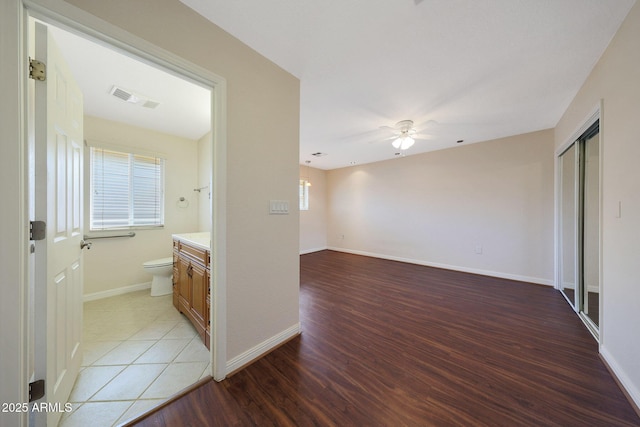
58	198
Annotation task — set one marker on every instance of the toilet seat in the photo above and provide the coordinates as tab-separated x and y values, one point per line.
161	262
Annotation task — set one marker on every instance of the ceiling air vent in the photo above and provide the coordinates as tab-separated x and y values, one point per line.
133	98
121	93
150	104
319	154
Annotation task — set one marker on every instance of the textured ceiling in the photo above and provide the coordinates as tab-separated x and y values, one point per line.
460	69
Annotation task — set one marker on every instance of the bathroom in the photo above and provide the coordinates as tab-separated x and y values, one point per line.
166	116
114	265
138	349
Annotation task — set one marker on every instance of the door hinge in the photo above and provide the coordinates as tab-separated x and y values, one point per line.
37	70
36	390
37	230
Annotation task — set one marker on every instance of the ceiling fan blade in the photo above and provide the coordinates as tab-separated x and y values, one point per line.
386	139
422	136
390	129
426	124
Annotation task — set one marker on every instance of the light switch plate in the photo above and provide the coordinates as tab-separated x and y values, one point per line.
278	207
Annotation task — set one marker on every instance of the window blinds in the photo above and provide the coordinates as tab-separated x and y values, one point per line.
127	190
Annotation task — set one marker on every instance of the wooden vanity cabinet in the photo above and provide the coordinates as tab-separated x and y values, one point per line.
191	272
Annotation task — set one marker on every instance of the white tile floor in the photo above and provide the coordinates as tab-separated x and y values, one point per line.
138	351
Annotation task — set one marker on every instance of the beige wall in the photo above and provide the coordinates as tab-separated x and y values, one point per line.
261	257
616	81
442	207
128	254
313	223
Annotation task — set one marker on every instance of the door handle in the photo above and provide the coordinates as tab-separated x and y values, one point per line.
84	244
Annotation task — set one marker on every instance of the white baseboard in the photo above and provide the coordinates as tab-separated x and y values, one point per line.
501	275
261	349
116	291
309	251
623	379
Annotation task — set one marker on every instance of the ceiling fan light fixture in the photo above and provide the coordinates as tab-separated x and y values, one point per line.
404	142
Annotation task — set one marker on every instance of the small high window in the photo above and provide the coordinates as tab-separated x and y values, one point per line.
304	194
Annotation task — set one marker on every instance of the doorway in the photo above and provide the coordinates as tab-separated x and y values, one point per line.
579	226
209	151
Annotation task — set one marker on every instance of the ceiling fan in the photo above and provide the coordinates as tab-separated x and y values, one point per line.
405	134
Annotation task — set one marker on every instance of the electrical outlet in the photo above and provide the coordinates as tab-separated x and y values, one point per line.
479	249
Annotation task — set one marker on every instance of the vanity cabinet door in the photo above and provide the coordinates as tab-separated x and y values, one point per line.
184	288
199	286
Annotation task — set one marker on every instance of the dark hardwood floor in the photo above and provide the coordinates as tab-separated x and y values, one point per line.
391	344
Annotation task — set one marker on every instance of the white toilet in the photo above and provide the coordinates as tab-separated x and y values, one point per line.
162	271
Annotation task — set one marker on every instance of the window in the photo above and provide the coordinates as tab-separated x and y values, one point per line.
304	194
127	190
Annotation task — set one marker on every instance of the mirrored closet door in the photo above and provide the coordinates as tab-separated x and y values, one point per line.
579	226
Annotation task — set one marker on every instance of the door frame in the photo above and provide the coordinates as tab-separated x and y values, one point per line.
595	115
15	216
71	18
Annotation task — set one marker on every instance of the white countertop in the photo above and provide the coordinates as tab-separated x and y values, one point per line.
201	239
